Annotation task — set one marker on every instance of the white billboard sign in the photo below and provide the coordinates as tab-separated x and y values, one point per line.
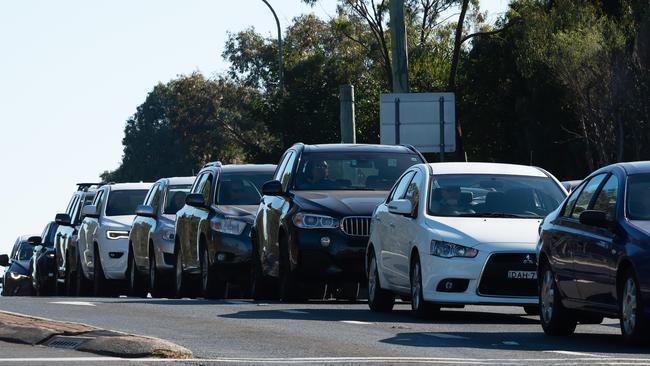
415	119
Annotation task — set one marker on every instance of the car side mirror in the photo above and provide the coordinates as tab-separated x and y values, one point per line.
272	188
4	260
195	200
63	219
34	240
595	218
145	210
400	207
90	211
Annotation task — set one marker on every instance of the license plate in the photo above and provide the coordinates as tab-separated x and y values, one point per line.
522	275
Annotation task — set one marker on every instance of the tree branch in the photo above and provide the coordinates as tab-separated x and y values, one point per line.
480	34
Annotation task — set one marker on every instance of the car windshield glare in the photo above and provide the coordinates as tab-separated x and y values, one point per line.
176	198
638	197
123	203
241	189
351	171
483	195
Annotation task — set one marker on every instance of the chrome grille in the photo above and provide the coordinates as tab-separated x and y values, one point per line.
356	225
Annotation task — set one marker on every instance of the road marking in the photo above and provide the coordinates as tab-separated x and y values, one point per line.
294	311
76	303
237	302
581	354
446	336
357	322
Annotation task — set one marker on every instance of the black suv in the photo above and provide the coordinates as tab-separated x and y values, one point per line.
313	223
213	228
65	240
43	265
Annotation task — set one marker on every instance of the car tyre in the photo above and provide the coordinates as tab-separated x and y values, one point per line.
137	284
155	278
634	324
419	307
178	278
289	285
556	320
261	287
100	283
212	287
82	284
379	300
70	280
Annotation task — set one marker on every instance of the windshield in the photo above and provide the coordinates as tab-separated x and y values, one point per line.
122	203
352	171
241	189
494	196
175	198
638	197
24	252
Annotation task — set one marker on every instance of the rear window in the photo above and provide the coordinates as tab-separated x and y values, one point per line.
176	198
241	189
122	203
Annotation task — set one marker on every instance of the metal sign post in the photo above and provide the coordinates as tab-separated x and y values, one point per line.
442	129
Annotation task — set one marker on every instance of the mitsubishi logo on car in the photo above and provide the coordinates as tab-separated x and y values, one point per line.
528	259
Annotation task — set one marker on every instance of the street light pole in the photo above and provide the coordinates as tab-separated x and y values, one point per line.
277	22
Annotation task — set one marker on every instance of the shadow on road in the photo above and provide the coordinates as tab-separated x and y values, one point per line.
399	316
520	341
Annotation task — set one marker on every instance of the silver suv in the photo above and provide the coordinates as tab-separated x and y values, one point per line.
151	241
104	234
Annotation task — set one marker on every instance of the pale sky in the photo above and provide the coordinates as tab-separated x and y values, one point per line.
73	71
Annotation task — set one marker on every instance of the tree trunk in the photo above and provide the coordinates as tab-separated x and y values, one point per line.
451	85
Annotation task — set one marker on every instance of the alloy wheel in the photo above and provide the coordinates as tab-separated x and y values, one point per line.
204	271
416	283
372	279
547	296
179	272
152	272
629	306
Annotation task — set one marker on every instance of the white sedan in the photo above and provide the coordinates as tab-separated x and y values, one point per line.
451	234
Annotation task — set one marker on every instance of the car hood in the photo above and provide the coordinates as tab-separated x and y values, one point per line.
119	221
344	203
19	267
473	231
239	210
642	225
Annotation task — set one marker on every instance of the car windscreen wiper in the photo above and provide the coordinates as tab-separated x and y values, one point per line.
499	215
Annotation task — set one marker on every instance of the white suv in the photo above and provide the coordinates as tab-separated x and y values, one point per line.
459	233
104	234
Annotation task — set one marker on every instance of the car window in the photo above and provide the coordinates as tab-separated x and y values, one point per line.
288	170
241	188
571	201
198	183
175	199
413	191
494	195
365	171
279	171
206	187
124	202
606	199
582	203
400	188
153	198
24	252
87	200
99	198
638	197
72	204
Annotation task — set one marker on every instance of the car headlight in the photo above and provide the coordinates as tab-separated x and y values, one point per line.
17	276
228	225
311	221
50	255
117	234
168	235
449	250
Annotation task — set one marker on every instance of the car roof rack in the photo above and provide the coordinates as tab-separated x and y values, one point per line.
85	186
213	163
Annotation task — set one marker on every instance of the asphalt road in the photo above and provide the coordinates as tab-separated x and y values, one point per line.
333	332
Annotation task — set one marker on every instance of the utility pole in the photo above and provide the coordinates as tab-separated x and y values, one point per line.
280	68
398	41
348	126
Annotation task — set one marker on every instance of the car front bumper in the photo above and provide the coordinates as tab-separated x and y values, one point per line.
497	289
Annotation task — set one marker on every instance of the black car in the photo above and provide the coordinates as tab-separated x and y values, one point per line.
213	228
42	266
65	241
594	254
17	280
312	225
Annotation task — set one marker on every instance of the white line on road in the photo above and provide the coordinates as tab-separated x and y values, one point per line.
357	322
581	354
445	336
77	303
